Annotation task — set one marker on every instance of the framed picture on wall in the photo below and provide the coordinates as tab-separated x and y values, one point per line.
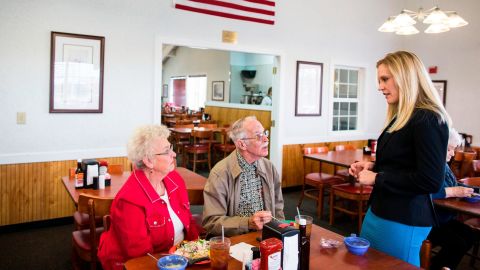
218	90
308	95
165	90
76	73
441	86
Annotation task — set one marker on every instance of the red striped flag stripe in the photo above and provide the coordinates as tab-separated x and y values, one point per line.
259	11
236	6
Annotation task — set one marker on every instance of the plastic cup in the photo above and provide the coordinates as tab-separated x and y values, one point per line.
309	220
219	252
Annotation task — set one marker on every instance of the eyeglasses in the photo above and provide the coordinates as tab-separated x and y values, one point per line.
259	136
170	150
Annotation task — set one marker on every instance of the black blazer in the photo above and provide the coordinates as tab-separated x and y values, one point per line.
410	165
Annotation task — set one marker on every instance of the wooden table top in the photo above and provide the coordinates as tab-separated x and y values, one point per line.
459	205
341	158
194	183
332	258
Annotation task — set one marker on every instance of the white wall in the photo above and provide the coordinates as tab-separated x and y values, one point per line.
213	63
457	56
323	31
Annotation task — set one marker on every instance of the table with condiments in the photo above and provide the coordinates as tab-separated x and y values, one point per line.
320	258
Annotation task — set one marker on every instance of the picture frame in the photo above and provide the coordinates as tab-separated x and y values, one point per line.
218	90
441	86
308	90
165	90
76	73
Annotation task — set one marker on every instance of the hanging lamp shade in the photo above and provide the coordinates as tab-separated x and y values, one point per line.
403	19
454	20
407	30
437	28
437	16
388	26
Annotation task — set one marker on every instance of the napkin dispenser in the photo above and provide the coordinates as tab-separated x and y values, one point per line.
289	237
90	168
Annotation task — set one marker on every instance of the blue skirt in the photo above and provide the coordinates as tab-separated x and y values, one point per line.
396	239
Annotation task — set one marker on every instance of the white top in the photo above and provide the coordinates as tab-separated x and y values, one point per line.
177	223
266	101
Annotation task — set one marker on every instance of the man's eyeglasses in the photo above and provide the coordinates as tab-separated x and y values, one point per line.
259	136
170	150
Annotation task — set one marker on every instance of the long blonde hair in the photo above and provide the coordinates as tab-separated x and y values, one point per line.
415	89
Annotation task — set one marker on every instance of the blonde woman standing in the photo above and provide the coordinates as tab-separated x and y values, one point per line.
410	159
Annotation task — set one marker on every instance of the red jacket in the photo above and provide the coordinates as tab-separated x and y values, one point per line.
141	222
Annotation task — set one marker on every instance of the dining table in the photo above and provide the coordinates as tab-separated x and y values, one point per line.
342	158
320	257
194	182
459	205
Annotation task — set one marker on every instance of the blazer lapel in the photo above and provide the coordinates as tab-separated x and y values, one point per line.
382	142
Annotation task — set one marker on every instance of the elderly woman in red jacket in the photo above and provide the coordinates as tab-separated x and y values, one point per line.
151	212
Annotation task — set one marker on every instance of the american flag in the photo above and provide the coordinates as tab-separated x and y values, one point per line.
259	11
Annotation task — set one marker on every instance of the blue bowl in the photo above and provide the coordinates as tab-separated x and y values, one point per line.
172	262
472	199
356	245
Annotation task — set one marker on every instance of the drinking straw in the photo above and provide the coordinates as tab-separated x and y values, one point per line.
298	211
223	235
152	256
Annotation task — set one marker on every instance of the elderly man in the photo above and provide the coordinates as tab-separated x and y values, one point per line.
243	190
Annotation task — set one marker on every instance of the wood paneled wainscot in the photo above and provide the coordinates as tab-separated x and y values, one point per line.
292	168
226	116
34	191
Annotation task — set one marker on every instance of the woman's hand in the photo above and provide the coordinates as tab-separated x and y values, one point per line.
359	166
366	177
459	192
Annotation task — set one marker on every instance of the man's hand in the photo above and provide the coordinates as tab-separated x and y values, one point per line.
258	219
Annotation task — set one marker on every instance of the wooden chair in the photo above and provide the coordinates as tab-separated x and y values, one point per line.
476	167
320	181
350	192
224	148
85	242
198	148
343	172
208	125
425	254
115	169
466	167
456	163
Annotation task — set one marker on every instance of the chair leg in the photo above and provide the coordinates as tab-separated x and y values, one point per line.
194	162
360	211
299	204
332	199
474	253
320	202
209	161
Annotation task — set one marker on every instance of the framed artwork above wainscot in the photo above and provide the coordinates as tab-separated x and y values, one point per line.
308	93
76	73
441	86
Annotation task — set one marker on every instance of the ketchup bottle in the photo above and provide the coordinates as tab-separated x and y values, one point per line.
271	254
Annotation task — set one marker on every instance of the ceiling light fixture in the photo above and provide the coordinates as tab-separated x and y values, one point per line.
440	21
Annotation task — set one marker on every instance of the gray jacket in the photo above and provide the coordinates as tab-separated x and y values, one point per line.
222	195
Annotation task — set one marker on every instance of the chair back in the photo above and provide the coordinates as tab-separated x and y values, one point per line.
115	169
476	167
202	135
315	150
206	125
425	254
183	122
185	126
342	147
466	167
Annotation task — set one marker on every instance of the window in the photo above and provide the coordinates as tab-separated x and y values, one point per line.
346	98
189	91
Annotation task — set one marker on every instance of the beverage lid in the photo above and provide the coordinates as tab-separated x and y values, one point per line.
302	221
